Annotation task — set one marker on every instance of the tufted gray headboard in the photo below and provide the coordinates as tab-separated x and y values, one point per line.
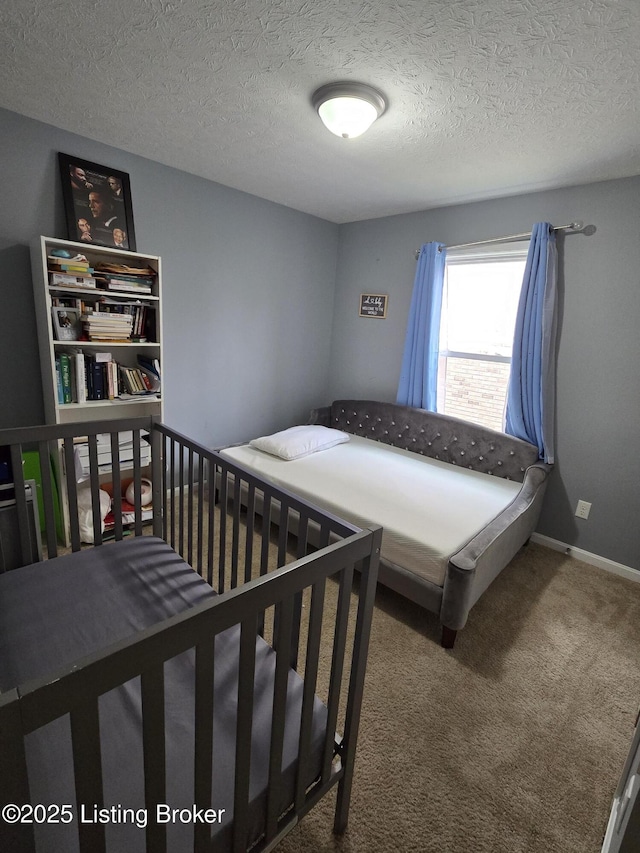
430	434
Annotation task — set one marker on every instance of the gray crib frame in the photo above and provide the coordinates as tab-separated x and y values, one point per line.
181	471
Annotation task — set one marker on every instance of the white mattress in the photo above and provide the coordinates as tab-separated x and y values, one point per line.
428	509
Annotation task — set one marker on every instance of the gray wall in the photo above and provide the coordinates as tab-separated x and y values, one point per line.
249	306
598	432
248	288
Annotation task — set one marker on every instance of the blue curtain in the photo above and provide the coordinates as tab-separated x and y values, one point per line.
419	373
531	395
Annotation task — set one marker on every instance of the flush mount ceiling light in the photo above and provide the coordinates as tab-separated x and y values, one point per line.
348	109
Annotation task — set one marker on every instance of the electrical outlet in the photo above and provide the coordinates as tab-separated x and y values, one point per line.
583	509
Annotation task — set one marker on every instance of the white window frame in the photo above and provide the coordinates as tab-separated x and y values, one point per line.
490	253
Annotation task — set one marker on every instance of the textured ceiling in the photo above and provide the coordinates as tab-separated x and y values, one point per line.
486	97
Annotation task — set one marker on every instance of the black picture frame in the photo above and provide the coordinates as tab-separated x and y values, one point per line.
373	305
99	196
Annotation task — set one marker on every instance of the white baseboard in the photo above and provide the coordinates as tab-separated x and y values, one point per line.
588	557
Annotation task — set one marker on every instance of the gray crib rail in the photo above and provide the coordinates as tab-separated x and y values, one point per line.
55	447
218	516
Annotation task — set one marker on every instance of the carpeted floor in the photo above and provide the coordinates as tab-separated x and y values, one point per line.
511	743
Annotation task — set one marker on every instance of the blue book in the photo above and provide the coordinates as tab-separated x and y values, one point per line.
59	381
65	374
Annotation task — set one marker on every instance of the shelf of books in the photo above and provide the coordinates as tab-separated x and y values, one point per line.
99	321
99	316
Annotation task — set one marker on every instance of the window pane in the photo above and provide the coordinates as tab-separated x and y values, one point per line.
476	390
481	304
478	320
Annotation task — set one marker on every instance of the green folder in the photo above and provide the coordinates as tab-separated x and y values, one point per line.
31	467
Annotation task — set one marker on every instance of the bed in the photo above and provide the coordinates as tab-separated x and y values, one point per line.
456	501
194	683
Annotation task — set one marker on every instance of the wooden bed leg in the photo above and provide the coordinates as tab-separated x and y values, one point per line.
448	637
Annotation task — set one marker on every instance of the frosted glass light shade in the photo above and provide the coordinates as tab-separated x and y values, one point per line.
348	109
347	117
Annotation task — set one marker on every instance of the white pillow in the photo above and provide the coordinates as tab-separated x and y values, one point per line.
299	441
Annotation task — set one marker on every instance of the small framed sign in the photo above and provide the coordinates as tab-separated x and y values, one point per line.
373	305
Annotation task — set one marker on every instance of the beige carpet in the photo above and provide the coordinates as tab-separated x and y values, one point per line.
511	743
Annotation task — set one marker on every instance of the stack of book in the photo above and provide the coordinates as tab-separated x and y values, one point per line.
125	451
107	326
119	277
144	323
70	272
82	377
143	317
133	381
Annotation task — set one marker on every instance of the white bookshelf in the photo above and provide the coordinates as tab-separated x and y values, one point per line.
123	353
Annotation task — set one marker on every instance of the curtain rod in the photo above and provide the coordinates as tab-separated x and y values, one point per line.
573	226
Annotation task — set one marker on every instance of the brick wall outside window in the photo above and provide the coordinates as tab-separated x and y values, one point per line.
476	390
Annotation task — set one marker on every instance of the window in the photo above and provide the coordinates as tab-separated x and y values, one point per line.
479	306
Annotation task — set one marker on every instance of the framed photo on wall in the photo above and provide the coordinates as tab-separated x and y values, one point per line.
97	204
66	323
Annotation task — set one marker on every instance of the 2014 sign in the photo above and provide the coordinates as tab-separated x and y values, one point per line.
373	305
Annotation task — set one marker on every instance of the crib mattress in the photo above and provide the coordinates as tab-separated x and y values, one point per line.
428	509
51	613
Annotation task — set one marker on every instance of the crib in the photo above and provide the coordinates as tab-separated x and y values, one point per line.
195	682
